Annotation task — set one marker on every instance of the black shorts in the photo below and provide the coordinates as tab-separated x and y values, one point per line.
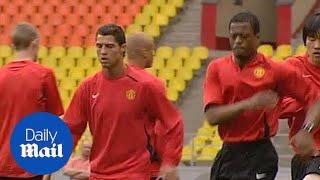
31	178
302	167
246	161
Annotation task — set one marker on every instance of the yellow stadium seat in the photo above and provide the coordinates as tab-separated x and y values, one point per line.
152	30
133	28
168	10
67	62
142	19
57	52
158	63
85	62
177	3
158	2
160	19
177	84
301	50
75	52
152	71
43	52
90	52
60	73
199	142
187	153
64	95
277	58
50	62
164	52
193	63
208	153
174	63
172	94
182	52
67	84
266	49
208	126
205	132
150	9
5	51
8	59
185	73
283	51
200	52
166	74
92	71
76	73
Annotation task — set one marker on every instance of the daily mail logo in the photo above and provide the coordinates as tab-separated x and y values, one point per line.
33	150
41	143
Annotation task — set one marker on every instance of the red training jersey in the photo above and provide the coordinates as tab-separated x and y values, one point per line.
292	109
26	87
226	83
119	112
157	132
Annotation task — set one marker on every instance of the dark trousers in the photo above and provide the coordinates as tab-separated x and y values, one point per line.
300	167
246	161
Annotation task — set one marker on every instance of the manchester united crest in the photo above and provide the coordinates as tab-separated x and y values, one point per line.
130	94
259	72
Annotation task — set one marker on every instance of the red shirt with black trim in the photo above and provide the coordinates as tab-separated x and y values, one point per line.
292	109
157	132
26	87
226	83
120	113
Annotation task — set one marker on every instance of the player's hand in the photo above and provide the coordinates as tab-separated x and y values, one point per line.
304	143
168	173
263	99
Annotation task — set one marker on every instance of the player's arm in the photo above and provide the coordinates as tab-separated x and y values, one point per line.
76	115
308	96
68	169
83	174
217	112
51	94
160	108
292	84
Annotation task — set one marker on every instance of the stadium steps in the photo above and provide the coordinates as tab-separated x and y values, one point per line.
185	29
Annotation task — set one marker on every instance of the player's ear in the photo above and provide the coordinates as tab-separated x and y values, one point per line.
123	48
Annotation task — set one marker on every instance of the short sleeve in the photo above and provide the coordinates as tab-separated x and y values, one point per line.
212	87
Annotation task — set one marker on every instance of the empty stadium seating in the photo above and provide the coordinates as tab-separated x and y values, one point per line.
67	38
